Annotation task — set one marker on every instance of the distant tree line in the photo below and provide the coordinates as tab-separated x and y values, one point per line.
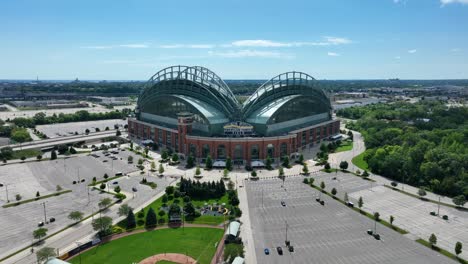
422	144
82	115
205	190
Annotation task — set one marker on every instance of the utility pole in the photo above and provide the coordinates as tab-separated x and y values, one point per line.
438	206
6	188
286	222
45	214
262	196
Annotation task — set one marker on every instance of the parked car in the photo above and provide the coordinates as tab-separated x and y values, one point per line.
377	236
52	219
291	248
40	224
370	232
134	189
283	203
267	251
350	204
280	250
115	182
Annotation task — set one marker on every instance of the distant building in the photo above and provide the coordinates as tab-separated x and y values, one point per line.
110	101
192	111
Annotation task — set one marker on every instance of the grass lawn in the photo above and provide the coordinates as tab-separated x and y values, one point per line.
345	146
198	243
28	153
360	162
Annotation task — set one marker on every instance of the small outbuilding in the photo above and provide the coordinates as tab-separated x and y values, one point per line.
233	230
238	260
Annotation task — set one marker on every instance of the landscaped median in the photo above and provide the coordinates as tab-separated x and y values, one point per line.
440	250
34	199
197	242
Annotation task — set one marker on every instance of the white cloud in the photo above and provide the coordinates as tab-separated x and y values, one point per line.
134	46
446	2
333	54
455	50
263	43
187	46
130	46
251	53
412	51
337	41
97	47
397	57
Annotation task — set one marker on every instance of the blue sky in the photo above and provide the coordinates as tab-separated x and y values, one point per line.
256	39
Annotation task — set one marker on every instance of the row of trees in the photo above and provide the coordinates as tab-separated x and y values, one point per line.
422	144
205	190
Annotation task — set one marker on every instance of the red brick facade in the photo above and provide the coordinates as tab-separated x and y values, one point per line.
183	142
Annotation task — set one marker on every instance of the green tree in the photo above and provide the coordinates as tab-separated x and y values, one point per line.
459	200
377	216
225	173
75	216
208	163
102	225
175	157
343	165
365	174
305	169
18	197
301	159
327	166
421	192
311	181
40	233
334	191
229	164
131	221
392	218
268	163
131	144
153	166
170	190
322	185
458	248
45	253
39	157
146	151
253	173
433	240
161	169
130	159
20	135
197	171
190	162
104	202
117	189
164	198
360	202
118	133
164	155
286	161
346	198
102	186
53	155
38	194
124	209
280	172
151	219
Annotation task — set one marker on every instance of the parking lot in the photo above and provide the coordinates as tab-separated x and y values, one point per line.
67	129
18	222
321	234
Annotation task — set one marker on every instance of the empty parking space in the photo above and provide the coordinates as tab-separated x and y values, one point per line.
321	234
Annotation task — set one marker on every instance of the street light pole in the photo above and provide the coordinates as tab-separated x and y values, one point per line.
45	214
6	188
286	222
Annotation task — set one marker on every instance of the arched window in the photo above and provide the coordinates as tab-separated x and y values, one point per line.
238	152
221	152
254	153
205	150
283	149
270	150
